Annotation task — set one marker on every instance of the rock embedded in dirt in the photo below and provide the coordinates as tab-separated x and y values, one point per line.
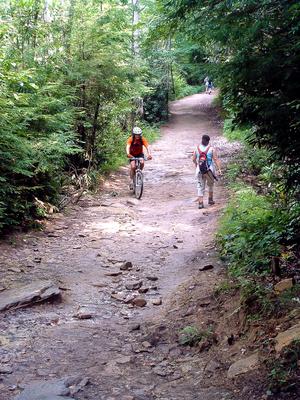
123	360
5	369
243	366
206	267
132	202
113	273
53	235
47	390
15	269
134	327
33	293
285	338
139	302
152	278
126	266
133	285
99	285
283	285
2	288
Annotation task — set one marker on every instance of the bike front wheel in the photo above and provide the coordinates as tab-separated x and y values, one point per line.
138	184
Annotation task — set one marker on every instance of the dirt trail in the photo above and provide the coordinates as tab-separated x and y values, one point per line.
164	235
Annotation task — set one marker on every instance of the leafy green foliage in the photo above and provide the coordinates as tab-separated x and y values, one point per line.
251	232
190	336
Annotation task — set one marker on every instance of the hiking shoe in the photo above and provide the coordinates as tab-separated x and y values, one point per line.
200	205
211	202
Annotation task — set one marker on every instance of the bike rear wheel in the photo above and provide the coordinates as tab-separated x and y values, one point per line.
138	184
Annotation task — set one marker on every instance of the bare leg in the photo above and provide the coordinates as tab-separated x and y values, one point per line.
200	200
211	198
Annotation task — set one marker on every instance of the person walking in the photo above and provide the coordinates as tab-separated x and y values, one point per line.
206	160
206	83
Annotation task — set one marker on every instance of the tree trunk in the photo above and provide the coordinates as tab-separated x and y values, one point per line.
94	130
69	27
135	32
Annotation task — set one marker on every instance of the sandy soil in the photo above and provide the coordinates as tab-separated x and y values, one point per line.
165	236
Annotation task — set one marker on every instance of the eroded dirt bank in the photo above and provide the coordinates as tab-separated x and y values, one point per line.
127	352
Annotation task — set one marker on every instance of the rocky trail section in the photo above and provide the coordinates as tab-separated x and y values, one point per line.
122	268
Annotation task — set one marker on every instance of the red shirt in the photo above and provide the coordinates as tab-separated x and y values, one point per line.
136	145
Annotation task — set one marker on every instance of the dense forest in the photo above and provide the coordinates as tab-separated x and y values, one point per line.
75	76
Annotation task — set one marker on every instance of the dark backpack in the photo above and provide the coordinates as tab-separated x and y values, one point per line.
203	164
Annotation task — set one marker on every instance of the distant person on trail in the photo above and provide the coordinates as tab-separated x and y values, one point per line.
135	148
206	160
208	85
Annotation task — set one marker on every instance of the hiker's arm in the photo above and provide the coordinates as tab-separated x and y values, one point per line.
194	158
217	161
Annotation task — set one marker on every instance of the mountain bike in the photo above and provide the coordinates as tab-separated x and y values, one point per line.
138	177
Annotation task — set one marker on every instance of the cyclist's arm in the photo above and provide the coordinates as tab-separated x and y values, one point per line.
216	160
148	151
128	151
147	147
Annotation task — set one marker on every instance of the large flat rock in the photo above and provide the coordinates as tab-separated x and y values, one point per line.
55	389
25	295
285	338
243	366
51	390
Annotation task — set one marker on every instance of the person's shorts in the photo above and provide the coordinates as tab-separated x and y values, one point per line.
142	155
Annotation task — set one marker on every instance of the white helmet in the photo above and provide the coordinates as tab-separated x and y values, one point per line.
136	131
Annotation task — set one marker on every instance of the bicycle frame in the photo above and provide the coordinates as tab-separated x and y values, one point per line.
138	178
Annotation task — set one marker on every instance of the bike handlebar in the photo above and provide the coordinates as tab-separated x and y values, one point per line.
138	158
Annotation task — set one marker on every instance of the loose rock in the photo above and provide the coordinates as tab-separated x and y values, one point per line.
134	285
84	313
126	266
157	302
152	278
118	296
139	302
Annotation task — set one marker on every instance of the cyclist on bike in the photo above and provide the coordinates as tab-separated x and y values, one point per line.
135	148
